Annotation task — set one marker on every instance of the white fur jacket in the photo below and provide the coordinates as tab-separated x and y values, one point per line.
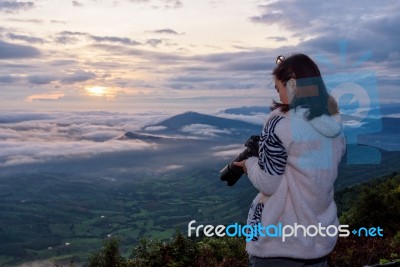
294	173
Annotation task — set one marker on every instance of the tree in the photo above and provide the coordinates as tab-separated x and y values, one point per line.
108	256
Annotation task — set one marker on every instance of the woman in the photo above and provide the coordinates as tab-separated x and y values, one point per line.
300	150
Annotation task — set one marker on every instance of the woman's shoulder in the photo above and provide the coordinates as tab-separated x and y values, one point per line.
295	120
326	125
276	113
294	113
286	119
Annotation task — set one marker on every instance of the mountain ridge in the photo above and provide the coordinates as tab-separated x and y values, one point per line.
211	126
191	117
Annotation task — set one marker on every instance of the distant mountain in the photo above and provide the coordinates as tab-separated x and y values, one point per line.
247	110
391	125
140	136
188	118
390	109
212	127
384	125
384	110
350	173
217	126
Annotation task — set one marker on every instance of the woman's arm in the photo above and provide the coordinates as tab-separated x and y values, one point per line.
265	172
264	182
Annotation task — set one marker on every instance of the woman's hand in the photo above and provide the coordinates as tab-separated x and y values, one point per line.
241	164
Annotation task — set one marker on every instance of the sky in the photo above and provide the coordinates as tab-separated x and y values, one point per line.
178	55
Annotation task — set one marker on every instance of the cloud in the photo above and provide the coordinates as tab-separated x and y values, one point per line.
172	167
63	39
155	128
45	97
229	151
10	51
102	135
159	57
313	16
14	117
7	79
154	42
34	21
369	36
172	4
77	4
166	31
112	39
15	153
69	37
257	119
204	130
73	33
15	6
268	18
386	25
54	21
396	116
41	79
214	82
128	121
8	134
79	76
218	71
319	25
214	4
25	38
277	39
146	71
63	62
41	137
254	60
166	4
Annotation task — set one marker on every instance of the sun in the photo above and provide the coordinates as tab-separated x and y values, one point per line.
97	90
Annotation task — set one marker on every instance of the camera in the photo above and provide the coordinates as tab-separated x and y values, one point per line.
232	173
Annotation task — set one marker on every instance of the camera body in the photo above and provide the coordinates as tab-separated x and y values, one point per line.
232	173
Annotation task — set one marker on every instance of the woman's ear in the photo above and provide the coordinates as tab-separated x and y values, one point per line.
291	85
291	89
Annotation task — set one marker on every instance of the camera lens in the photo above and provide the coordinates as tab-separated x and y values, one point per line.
231	173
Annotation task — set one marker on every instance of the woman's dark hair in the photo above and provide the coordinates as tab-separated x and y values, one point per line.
311	91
